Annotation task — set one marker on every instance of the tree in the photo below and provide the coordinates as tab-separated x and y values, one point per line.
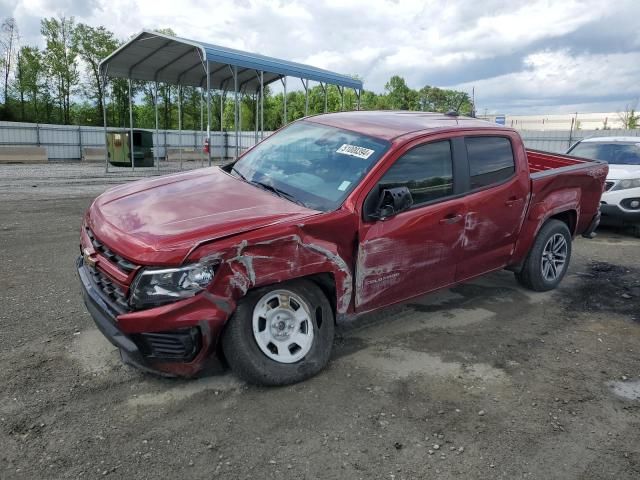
399	93
61	60
94	44
434	99
629	117
9	45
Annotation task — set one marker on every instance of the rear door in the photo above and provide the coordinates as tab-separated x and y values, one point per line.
413	252
498	190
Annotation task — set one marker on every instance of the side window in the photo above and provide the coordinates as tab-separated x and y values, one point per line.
427	171
490	160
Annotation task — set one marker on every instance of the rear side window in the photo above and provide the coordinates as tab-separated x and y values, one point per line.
427	172
490	160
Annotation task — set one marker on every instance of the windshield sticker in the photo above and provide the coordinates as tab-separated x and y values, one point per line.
355	151
344	185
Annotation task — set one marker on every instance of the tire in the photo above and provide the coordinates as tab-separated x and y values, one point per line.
269	341
636	231
540	272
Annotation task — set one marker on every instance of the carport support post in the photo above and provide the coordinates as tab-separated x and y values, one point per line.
284	84
104	120
201	127
131	129
257	120
223	150
235	117
208	112
261	105
157	145
305	84
239	127
180	124
324	90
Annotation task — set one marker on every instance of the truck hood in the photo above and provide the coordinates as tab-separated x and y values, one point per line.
159	221
622	172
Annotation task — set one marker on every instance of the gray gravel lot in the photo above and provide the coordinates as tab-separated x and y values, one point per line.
485	380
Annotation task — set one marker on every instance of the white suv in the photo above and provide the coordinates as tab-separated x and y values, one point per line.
620	205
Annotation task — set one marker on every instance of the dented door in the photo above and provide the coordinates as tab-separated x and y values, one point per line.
407	255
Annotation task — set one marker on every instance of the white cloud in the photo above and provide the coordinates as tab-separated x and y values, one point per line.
519	54
553	77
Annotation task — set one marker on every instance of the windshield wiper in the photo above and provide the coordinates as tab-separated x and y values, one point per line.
277	191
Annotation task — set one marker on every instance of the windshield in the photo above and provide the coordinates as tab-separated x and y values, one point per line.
311	164
615	153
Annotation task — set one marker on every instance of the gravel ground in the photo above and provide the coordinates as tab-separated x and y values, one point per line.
485	380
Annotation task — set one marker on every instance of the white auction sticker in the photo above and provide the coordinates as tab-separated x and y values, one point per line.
355	151
344	185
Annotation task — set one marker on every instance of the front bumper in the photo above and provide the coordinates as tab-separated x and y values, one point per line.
134	333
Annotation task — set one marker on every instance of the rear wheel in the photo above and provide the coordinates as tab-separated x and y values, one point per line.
548	259
280	334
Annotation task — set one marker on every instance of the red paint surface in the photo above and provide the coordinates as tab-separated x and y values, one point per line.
261	239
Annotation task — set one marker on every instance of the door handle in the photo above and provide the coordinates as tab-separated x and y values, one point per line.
511	201
451	218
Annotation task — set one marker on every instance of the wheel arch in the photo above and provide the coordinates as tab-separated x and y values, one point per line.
326	281
569	217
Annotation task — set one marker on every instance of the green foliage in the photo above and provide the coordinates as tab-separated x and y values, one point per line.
629	117
62	84
61	60
94	44
634	119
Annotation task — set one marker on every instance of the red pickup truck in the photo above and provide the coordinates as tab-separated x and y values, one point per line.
332	216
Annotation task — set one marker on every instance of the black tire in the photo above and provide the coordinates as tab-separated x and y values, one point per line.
250	363
636	231
531	276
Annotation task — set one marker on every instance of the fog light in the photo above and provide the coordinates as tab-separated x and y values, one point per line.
634	204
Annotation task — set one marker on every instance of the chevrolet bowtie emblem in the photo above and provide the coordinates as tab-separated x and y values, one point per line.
87	255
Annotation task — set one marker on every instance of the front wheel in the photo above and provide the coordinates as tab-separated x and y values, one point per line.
548	260
280	334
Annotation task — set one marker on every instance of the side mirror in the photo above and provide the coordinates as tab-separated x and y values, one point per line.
391	202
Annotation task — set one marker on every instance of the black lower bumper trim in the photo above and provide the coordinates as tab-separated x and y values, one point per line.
613	215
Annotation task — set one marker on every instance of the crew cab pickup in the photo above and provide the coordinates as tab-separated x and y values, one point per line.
332	216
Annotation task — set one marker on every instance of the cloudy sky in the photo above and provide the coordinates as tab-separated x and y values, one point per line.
522	56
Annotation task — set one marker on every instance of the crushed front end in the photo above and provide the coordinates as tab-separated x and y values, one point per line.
172	339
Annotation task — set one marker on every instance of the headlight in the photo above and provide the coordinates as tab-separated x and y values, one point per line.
625	184
153	287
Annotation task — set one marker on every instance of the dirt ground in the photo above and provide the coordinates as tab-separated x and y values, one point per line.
482	381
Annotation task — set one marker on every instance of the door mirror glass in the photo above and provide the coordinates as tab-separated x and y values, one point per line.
391	202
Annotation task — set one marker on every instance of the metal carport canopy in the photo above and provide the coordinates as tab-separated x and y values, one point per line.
157	57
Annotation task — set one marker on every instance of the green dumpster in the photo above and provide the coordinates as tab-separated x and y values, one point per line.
118	146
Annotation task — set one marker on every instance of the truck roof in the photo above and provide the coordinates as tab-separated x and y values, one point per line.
387	125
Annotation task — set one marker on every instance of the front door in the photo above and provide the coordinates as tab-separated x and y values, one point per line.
414	251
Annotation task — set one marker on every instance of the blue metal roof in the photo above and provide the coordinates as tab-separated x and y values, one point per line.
154	56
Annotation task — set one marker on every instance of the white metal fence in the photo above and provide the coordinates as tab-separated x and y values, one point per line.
65	142
559	141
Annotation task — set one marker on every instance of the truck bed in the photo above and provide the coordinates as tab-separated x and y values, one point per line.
540	162
565	183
